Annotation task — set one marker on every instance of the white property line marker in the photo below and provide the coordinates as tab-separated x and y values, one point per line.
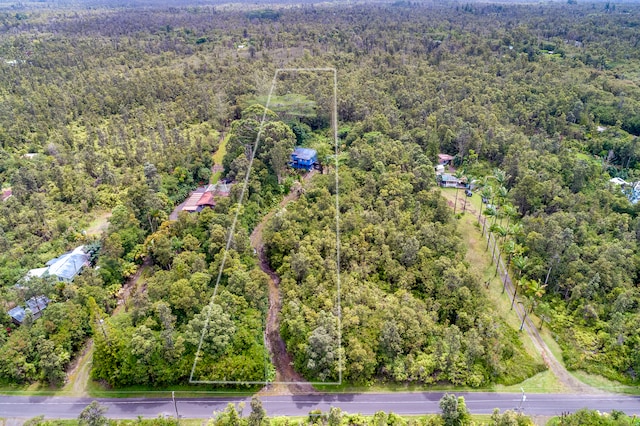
235	221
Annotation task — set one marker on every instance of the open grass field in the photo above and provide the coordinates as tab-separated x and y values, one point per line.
605	384
99	224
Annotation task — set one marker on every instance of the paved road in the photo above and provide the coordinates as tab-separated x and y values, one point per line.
401	403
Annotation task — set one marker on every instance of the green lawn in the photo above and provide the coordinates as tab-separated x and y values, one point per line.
540	383
222	150
98	390
217	158
605	384
479	260
99	224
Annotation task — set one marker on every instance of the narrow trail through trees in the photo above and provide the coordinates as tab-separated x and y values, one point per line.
293	382
564	377
79	371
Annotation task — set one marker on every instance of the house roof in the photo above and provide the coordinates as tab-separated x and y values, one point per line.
617	181
445	157
203	196
221	189
192	202
206	200
304	153
446	177
69	264
36	305
6	193
35	273
18	313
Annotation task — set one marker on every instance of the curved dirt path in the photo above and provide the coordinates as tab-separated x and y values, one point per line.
291	382
570	383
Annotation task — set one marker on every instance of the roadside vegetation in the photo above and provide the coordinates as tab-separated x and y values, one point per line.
453	413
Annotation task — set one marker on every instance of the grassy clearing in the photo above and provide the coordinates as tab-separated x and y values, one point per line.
479	260
98	390
28	390
222	150
78	379
217	158
540	383
548	338
99	224
605	384
215	177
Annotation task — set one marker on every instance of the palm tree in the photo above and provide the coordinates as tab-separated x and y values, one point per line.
489	212
515	229
509	212
487	194
470	181
511	248
501	232
520	263
537	290
500	176
502	197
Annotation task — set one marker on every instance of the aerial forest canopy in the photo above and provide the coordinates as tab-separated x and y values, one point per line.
111	117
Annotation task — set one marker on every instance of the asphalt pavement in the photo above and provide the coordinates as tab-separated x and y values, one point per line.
364	403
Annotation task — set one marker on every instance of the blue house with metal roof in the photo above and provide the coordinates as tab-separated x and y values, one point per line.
303	158
36	305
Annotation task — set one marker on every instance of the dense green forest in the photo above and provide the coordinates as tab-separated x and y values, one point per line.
411	311
125	107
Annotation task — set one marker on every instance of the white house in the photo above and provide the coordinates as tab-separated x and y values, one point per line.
64	267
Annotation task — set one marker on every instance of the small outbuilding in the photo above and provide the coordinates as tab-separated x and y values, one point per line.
618	181
445	159
36	305
303	158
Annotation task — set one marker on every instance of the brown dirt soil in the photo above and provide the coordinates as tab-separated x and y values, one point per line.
290	381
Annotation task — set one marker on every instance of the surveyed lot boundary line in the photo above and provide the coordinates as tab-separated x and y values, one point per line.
235	222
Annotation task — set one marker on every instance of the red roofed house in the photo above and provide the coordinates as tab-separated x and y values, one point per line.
445	159
206	200
203	197
6	194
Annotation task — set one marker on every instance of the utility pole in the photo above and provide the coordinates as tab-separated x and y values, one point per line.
522	400
524	318
101	322
175	404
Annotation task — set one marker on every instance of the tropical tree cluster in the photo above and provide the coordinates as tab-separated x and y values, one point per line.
173	315
110	110
410	310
